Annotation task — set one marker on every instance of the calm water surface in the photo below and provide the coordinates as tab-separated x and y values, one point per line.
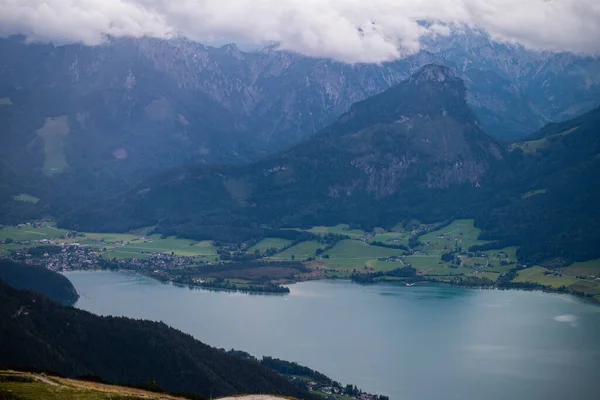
421	342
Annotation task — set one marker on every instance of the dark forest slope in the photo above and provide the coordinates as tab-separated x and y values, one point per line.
37	332
38	279
552	209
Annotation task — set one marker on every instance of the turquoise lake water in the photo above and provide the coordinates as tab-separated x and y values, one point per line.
416	343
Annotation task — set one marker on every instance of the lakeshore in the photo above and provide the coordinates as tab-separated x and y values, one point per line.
449	252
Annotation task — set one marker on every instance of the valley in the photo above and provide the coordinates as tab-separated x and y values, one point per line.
449	252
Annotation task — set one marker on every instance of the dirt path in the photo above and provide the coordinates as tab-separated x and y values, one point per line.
40	378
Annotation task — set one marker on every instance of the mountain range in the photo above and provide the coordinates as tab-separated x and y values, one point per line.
85	122
415	151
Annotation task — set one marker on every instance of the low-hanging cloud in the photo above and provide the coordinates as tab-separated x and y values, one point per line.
345	30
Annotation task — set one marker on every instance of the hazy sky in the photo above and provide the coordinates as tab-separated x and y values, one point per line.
346	30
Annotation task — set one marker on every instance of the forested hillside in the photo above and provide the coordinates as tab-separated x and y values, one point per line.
38	279
37	332
551	209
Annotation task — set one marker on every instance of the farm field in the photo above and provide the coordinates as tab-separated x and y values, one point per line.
27	232
432	265
6	248
129	246
445	270
585	268
119	245
351	254
424	262
342	229
385	265
489	275
536	275
269	243
300	252
393	238
461	232
585	286
494	257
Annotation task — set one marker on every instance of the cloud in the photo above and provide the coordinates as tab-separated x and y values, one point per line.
346	30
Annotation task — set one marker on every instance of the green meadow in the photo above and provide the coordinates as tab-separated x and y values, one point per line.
356	254
299	252
53	135
537	275
119	245
269	243
424	262
130	246
532	146
26	198
28	232
494	258
589	268
385	265
341	229
461	232
393	238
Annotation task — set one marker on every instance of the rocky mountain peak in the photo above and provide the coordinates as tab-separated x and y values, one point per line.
430	92
433	73
232	50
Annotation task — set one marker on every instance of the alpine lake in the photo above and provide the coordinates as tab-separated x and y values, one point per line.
427	341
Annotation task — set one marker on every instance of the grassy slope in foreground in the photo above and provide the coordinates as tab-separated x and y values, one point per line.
38	386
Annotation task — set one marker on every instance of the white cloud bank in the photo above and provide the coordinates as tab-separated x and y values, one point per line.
346	30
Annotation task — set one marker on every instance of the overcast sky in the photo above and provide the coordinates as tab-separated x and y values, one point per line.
346	30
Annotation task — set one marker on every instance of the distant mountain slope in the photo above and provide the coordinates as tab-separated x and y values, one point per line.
556	211
413	151
87	122
37	332
38	279
379	162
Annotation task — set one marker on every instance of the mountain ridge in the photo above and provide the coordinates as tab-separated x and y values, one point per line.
134	107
